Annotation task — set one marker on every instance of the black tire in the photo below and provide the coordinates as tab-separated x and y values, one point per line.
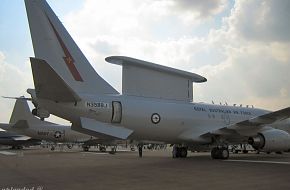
183	152
102	149
224	153
220	153
178	152
214	153
245	151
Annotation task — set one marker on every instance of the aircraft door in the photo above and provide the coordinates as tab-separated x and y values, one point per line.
117	112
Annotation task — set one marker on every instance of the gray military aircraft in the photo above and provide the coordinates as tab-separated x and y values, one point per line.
156	101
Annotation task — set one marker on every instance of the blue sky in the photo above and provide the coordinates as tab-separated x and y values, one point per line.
244	54
15	36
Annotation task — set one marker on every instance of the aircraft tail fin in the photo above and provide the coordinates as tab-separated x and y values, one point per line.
21	115
52	43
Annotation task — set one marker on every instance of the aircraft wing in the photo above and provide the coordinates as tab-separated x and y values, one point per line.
252	126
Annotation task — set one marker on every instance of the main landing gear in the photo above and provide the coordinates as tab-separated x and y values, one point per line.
140	150
179	152
220	153
86	148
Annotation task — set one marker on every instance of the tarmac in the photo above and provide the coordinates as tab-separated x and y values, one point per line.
42	169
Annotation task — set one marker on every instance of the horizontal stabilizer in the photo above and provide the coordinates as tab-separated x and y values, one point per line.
142	78
21	138
106	129
49	85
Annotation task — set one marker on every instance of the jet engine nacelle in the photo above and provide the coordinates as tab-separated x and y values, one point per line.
273	140
41	113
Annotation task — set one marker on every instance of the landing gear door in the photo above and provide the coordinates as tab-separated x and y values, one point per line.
117	112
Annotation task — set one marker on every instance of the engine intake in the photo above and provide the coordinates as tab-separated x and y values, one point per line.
273	140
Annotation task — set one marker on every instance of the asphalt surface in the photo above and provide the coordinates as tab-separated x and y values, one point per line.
41	169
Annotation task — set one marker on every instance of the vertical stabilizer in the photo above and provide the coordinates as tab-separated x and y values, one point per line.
52	43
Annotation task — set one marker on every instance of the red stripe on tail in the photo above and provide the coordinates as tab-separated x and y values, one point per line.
68	59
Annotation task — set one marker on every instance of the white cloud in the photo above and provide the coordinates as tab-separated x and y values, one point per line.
257	62
13	82
265	21
246	60
200	9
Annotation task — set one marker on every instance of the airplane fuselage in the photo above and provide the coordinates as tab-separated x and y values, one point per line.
154	119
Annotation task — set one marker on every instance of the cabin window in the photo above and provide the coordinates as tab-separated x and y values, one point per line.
117	112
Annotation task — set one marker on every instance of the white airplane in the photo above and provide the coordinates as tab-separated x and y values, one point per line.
156	102
24	123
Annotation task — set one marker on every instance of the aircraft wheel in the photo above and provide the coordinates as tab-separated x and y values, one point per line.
224	153
52	148
214	153
183	152
69	146
220	153
175	152
86	148
245	151
113	150
102	149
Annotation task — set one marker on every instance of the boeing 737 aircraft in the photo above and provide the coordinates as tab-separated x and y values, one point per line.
156	101
24	123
